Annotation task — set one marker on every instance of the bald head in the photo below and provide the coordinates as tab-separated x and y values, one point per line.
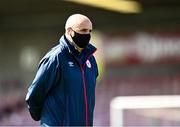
77	22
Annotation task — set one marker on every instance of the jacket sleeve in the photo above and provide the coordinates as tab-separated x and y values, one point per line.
44	80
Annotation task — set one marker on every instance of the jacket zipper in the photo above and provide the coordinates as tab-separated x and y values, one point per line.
85	94
84	86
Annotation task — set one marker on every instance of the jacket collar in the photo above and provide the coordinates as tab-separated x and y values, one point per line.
80	56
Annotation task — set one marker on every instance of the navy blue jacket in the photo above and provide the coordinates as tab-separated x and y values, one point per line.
63	90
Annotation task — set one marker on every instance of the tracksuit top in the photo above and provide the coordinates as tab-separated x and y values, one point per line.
63	90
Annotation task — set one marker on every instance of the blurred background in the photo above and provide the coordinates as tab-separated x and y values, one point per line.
138	45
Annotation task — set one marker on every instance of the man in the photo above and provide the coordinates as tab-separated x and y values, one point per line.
63	91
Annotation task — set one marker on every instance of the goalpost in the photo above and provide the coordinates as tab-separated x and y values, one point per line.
119	104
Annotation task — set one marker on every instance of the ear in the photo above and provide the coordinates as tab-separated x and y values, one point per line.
70	31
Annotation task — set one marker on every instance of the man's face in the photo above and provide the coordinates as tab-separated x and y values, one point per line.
80	31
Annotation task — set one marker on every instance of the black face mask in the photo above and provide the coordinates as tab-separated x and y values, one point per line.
81	40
